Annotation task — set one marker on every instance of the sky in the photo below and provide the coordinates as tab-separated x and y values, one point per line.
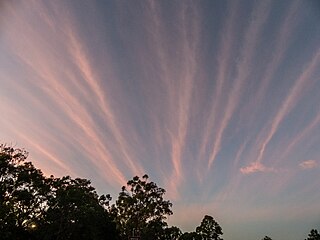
217	101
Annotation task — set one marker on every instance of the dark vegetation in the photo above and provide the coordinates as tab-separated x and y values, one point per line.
34	207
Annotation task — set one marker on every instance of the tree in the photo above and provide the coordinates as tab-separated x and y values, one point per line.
22	194
153	230
141	207
267	238
35	207
209	229
313	235
75	211
190	236
172	233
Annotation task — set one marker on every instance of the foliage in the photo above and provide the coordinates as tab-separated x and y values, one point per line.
23	192
75	211
267	238
35	207
172	233
190	236
141	207
313	235
153	230
209	229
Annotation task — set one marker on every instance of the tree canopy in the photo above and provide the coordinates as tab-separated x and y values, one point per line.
23	191
141	206
190	236
209	229
33	206
313	235
267	238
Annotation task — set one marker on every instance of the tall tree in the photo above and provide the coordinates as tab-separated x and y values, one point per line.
209	229
313	235
23	193
141	206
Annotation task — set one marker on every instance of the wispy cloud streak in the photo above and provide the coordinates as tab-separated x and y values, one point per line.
255	167
179	80
278	53
225	55
251	38
289	102
308	164
301	135
46	68
84	67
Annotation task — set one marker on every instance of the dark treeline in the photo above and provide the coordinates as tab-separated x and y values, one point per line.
35	207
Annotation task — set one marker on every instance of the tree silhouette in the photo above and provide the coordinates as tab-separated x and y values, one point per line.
141	207
267	238
313	235
209	229
23	192
190	236
35	207
75	211
172	233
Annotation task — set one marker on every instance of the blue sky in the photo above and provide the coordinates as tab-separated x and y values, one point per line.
218	101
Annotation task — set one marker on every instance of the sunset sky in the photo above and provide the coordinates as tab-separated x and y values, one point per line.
217	101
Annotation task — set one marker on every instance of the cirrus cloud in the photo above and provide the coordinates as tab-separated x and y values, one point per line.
308	164
256	167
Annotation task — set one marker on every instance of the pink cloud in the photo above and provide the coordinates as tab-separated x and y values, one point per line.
308	164
179	92
255	167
